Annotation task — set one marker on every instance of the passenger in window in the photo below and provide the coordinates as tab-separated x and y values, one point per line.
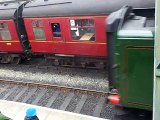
56	30
74	34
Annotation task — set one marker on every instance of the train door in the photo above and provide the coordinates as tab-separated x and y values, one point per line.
58	29
60	34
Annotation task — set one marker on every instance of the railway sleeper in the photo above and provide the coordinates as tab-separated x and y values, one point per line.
76	61
10	58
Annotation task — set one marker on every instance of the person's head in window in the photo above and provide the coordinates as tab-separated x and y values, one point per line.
56	28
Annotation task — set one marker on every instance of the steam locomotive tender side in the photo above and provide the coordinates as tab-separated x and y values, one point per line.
131	54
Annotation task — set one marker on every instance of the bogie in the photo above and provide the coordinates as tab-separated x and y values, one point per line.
10	58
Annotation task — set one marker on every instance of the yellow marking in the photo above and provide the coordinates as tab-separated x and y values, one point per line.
6	20
77	42
9	43
5	41
139	104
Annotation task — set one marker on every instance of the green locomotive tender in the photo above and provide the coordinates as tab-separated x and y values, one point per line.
131	58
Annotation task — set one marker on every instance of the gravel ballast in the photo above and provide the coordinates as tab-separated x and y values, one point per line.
72	77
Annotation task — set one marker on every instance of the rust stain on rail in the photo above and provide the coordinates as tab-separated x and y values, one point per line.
57	87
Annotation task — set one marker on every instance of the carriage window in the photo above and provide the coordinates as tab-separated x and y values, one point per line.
82	29
38	30
39	33
56	29
4	32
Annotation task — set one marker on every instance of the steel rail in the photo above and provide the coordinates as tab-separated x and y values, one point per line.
57	87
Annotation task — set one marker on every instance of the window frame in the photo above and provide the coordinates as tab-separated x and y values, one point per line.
90	26
38	27
5	28
59	28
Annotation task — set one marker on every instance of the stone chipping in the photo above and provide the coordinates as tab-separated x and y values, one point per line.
71	77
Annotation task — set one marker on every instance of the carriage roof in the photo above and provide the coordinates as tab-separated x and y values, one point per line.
43	8
7	10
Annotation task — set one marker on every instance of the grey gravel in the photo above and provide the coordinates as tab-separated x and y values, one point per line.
44	100
59	100
89	105
72	77
107	111
5	92
25	94
2	85
14	93
72	105
33	97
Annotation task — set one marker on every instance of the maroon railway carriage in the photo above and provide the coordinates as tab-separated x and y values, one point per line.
71	32
9	40
68	34
11	44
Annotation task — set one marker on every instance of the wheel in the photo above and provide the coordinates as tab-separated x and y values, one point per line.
16	60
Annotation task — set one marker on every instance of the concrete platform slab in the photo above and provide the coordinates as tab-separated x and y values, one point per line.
16	111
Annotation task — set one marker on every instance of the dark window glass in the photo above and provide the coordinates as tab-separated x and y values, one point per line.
82	22
3	25
56	29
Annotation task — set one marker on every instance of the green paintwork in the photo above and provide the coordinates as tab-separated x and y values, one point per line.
134	76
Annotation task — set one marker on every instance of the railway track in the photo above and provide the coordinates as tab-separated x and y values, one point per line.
71	99
76	98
